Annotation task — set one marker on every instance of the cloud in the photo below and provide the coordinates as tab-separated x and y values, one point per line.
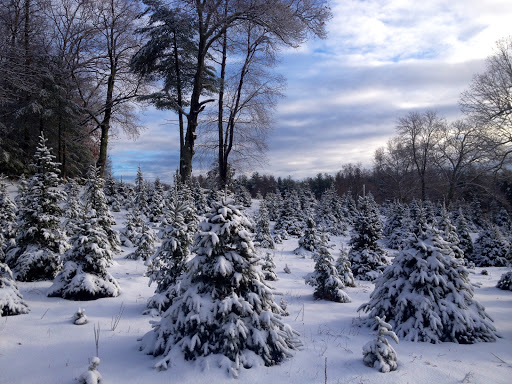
381	60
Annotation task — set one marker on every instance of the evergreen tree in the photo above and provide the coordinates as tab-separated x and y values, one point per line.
22	190
349	207
269	268
242	196
505	281
111	193
344	269
11	301
199	198
274	203
226	308
397	226
477	217
465	240
141	198
426	294
330	213
167	265
84	275
262	230
156	206
145	244
291	218
311	241
378	353
7	218
40	240
492	249
129	237
502	220
449	232
95	199
72	207
366	256
325	278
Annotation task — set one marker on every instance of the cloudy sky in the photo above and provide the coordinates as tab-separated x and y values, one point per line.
381	60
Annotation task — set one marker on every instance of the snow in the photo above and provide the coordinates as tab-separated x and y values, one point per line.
57	351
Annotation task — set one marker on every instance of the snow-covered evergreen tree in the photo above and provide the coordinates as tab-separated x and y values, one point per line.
91	376
84	275
141	197
40	240
330	213
465	240
291	217
111	194
242	195
311	241
8	223
72	207
269	268
130	235
274	203
199	197
397	226
344	269
491	249
156	204
328	284
11	301
22	190
95	199
502	220
226	308
449	232
426	294
145	244
477	217
349	207
167	265
505	281
366	256
378	353
262	230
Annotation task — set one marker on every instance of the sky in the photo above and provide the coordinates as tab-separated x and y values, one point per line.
380	61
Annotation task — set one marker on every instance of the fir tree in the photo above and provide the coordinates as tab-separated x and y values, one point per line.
378	353
22	190
502	220
11	301
274	203
141	198
199	198
85	275
426	294
325	278
7	217
129	237
449	232
40	240
262	230
505	281
226	308
397	227
291	218
311	241
366	256
242	196
491	249
269	268
344	269
330	213
95	199
465	240
145	244
72	207
156	205
167	265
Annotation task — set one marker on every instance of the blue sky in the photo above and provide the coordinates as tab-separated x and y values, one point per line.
381	60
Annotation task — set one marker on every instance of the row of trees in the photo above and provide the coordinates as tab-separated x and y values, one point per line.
74	68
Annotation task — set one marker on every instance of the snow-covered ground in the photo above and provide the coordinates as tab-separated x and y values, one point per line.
45	346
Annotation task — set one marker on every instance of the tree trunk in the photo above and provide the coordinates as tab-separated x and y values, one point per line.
223	171
105	126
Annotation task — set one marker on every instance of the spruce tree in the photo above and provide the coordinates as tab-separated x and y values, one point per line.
40	240
491	249
397	226
7	217
426	294
311	241
130	235
449	232
331	214
95	199
465	240
326	280
269	268
141	198
366	256
167	265
72	207
11	301
262	230
226	308
84	275
378	353
145	244
344	269
291	217
156	205
505	281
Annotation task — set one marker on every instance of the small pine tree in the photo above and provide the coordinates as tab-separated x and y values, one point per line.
226	308
492	249
291	218
129	237
269	268
366	256
397	227
156	206
344	269
7	217
11	301
262	231
40	240
311	241
72	207
141	198
465	240
167	265
145	244
426	293
449	232
325	278
91	376
502	220
378	353
505	281
85	275
330	213
95	199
